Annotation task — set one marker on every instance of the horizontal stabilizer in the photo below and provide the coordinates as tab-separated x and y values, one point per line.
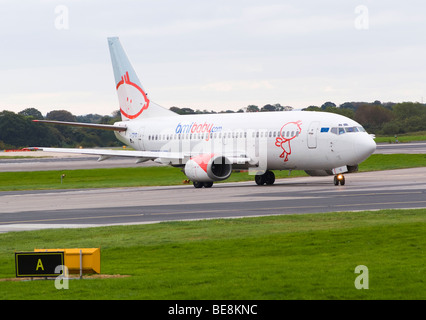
86	125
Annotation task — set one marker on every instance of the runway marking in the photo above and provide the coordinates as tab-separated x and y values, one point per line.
213	211
378	194
287	207
70	219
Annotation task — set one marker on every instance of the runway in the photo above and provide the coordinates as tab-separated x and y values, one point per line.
407	148
29	210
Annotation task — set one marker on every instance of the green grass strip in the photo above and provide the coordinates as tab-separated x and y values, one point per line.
310	256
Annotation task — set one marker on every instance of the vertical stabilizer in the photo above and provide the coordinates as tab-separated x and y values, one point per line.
132	98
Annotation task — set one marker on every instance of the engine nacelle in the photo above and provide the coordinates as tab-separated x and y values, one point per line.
208	168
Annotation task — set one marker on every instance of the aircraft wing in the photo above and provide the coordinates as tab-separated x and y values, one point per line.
107	153
164	156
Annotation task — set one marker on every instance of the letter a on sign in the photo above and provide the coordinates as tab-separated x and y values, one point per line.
361	282
39	265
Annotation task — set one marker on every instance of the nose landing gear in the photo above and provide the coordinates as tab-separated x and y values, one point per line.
340	178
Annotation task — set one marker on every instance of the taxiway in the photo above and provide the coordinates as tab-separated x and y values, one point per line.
28	210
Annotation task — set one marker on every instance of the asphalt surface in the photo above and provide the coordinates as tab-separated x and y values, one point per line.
29	210
408	148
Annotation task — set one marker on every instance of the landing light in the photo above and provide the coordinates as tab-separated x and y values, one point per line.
340	177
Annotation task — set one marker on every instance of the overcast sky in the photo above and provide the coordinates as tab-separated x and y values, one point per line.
214	54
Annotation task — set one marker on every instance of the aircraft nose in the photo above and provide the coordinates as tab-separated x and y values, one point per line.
365	147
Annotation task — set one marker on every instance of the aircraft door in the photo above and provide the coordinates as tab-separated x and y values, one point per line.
141	138
313	134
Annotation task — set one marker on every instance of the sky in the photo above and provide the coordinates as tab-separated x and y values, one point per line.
212	55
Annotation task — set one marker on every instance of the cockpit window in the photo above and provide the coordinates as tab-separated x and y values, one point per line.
342	130
351	129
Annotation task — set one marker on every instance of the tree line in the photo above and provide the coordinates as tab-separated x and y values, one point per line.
17	130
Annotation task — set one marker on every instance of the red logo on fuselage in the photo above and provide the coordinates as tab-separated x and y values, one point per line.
288	132
132	99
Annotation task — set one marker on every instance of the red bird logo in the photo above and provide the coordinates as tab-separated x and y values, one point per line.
288	132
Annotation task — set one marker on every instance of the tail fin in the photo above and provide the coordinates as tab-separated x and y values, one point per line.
132	98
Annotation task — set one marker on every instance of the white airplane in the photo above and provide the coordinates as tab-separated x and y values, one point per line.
209	146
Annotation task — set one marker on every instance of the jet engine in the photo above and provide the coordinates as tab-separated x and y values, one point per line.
208	168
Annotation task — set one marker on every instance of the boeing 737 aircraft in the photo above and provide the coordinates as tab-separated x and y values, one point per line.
209	146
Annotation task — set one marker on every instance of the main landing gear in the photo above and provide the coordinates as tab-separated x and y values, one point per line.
340	178
198	184
267	178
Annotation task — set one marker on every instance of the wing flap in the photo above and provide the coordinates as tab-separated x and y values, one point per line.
104	153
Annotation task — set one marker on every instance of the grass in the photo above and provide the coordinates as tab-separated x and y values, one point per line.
281	257
378	162
310	256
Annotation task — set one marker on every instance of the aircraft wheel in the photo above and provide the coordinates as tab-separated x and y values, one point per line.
336	182
208	184
269	177
260	179
340	178
198	184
